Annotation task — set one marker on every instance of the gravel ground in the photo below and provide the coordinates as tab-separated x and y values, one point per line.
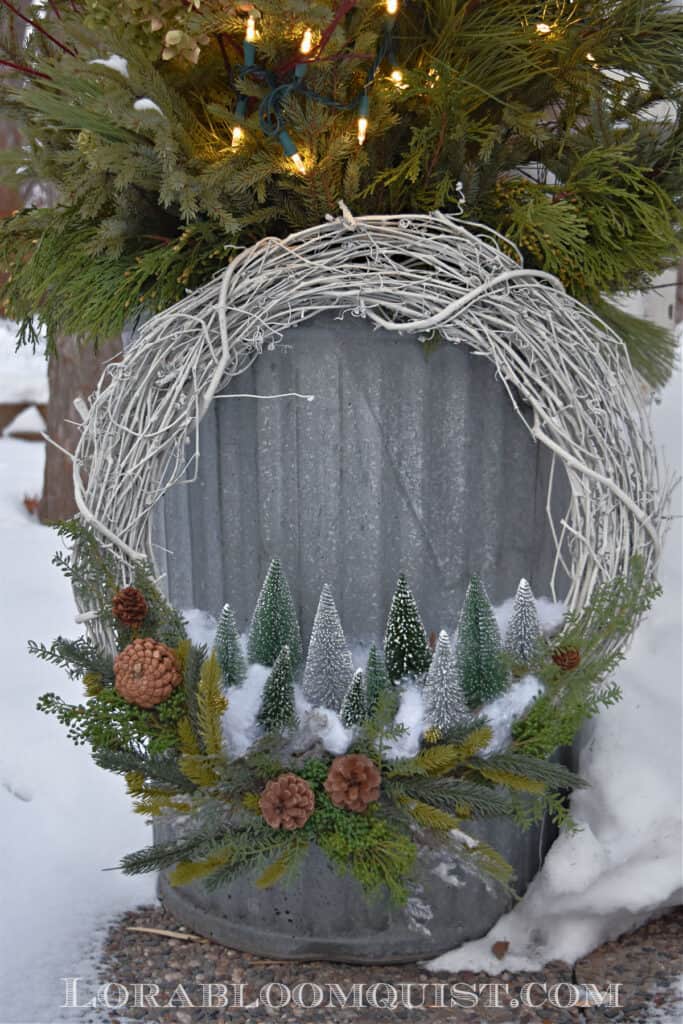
647	964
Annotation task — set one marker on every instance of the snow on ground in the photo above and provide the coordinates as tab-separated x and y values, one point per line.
626	862
23	373
64	821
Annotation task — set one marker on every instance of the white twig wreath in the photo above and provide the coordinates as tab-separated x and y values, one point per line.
410	274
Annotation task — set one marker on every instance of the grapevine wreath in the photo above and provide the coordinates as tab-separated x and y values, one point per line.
155	700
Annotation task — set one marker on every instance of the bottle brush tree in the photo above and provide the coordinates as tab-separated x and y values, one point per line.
329	669
406	648
277	703
444	700
275	621
480	668
376	680
229	650
354	709
524	627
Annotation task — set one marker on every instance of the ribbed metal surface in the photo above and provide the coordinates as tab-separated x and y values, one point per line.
407	459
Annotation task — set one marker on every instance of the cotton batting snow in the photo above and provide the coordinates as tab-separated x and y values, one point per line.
146	104
626	862
114	62
506	709
64	821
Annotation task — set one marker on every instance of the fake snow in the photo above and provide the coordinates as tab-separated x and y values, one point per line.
146	104
506	709
114	62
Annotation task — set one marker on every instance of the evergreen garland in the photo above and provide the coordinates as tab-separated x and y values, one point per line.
229	650
406	649
275	622
480	668
174	761
277	703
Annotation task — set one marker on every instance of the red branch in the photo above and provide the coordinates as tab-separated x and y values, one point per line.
21	67
38	27
345	7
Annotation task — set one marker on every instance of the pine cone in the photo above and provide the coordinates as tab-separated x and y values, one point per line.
287	802
146	673
567	658
129	606
353	782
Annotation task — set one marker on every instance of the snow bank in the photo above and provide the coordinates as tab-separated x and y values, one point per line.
23	373
625	863
64	821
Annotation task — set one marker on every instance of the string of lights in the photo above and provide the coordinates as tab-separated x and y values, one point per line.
271	108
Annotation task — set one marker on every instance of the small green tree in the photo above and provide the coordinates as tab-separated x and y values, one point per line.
275	622
444	700
376	680
277	703
228	649
406	649
354	709
480	669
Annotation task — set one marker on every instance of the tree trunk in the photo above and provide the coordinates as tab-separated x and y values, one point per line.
73	373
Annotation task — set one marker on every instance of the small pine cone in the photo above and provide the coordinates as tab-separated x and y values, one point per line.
353	782
146	672
129	606
567	658
287	802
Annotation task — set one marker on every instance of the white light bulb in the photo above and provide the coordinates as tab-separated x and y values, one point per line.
298	162
251	29
392	7
307	42
237	136
362	130
543	29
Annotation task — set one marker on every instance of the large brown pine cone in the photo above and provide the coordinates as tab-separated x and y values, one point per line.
129	606
567	658
287	802
146	672
353	782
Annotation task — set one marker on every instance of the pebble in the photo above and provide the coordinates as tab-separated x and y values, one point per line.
646	963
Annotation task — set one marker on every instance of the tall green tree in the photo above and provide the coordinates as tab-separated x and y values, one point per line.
354	708
275	623
277	704
480	669
376	679
229	649
406	648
